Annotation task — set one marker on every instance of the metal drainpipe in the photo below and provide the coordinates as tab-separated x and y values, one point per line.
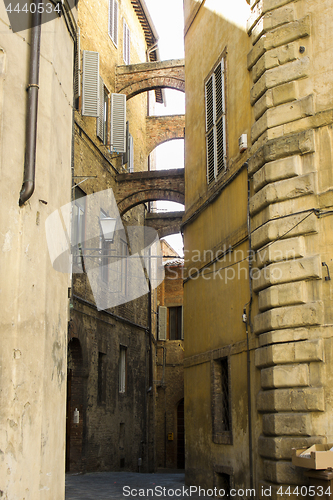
28	185
249	326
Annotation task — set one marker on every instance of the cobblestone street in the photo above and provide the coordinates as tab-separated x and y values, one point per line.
122	485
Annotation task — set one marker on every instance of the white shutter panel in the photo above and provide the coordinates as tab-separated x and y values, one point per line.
77	67
111	15
115	23
124	41
162	322
128	36
90	84
118	123
131	154
100	119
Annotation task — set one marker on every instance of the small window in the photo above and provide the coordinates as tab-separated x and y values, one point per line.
221	405
175	323
126	43
101	379
113	21
215	122
102	120
122	368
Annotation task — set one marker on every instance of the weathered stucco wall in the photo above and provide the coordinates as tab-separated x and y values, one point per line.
34	300
289	63
216	248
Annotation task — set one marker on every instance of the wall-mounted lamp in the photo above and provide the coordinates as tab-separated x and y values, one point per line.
328	277
108	226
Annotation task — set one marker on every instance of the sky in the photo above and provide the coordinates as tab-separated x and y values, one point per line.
168	19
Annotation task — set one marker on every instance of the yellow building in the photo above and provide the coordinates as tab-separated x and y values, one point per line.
258	240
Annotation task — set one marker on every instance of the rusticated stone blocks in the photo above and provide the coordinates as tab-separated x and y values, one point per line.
292	352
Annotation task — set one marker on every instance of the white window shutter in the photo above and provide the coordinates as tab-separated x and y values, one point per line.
126	43
162	322
115	23
100	119
110	23
128	46
118	123
77	67
131	155
90	84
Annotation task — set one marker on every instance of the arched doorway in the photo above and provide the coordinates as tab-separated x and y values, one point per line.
180	435
74	429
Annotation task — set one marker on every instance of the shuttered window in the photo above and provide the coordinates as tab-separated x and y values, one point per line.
126	43
90	84
113	21
102	120
215	123
118	123
162	322
77	68
130	154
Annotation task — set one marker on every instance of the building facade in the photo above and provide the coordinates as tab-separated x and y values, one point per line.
257	232
170	429
111	348
36	148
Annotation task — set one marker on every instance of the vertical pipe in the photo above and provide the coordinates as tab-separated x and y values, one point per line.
248	322
28	185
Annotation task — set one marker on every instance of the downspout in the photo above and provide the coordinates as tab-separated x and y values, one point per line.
28	185
249	327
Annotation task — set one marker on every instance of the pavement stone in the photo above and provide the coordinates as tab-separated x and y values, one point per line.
109	486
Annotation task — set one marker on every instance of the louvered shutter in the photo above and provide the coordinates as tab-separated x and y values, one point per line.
100	119
111	14
126	43
162	322
77	67
131	154
215	123
220	118
115	23
210	138
90	84
118	123
128	46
